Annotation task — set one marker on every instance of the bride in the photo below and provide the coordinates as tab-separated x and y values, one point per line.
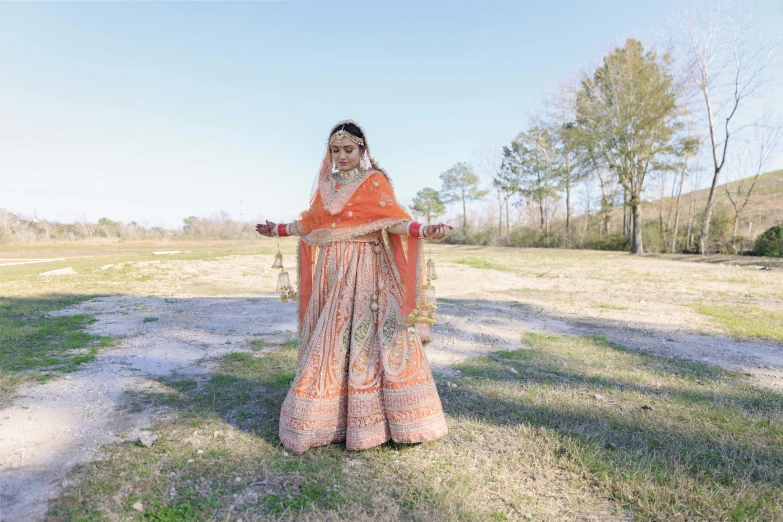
362	376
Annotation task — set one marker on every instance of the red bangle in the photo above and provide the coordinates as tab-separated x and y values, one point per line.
414	228
282	230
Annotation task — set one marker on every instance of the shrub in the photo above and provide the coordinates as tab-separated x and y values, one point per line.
614	241
770	243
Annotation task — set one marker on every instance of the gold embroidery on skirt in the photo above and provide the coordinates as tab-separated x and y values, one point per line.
362	377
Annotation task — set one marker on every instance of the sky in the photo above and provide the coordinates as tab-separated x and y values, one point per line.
152	112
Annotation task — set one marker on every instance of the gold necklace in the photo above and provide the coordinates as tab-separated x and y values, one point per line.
348	176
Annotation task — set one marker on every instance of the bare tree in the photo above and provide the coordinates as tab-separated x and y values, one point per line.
87	228
685	158
588	199
662	177
695	183
571	169
725	62
490	162
6	218
754	157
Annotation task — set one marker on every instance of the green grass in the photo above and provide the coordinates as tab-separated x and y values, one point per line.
35	346
150	319
665	439
747	321
480	262
570	428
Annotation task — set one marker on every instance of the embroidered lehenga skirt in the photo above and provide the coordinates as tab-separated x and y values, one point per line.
362	376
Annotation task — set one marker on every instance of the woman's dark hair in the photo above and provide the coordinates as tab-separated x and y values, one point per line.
348	127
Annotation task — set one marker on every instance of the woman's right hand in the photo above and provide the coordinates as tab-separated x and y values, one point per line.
266	229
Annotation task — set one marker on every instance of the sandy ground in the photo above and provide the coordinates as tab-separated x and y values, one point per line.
489	316
52	427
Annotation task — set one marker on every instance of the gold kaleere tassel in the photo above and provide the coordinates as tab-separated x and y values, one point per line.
427	305
287	291
284	285
432	275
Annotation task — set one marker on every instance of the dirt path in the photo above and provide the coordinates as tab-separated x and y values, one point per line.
61	423
489	315
54	426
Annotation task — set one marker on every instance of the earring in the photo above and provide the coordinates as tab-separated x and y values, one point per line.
362	164
334	167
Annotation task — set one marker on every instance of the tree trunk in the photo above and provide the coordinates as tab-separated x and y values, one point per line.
677	212
508	230
568	215
464	216
636	244
705	227
736	222
603	226
689	234
704	235
500	214
546	229
587	224
625	213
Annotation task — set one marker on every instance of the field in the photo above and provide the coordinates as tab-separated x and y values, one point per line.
577	385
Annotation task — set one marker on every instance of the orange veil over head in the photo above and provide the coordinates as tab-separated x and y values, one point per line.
361	208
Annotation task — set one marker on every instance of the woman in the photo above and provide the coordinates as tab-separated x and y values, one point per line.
362	376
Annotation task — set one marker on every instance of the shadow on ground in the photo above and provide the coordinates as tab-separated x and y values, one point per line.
658	437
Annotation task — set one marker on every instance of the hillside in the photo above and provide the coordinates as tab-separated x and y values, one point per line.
764	209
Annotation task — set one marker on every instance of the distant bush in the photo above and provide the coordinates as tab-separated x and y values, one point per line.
481	237
614	241
525	237
770	243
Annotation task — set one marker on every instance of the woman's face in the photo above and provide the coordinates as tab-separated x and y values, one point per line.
345	154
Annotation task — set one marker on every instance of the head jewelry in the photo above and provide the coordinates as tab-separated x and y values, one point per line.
322	178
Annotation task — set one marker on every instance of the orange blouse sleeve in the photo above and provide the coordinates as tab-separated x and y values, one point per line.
373	200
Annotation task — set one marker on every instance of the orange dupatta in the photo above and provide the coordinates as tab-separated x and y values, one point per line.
356	209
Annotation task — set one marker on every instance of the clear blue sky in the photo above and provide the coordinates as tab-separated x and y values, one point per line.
157	111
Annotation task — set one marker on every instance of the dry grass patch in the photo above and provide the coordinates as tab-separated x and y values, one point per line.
572	428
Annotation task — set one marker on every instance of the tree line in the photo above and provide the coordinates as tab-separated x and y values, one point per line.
633	129
18	229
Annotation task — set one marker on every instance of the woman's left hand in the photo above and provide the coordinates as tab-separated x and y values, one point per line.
438	231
